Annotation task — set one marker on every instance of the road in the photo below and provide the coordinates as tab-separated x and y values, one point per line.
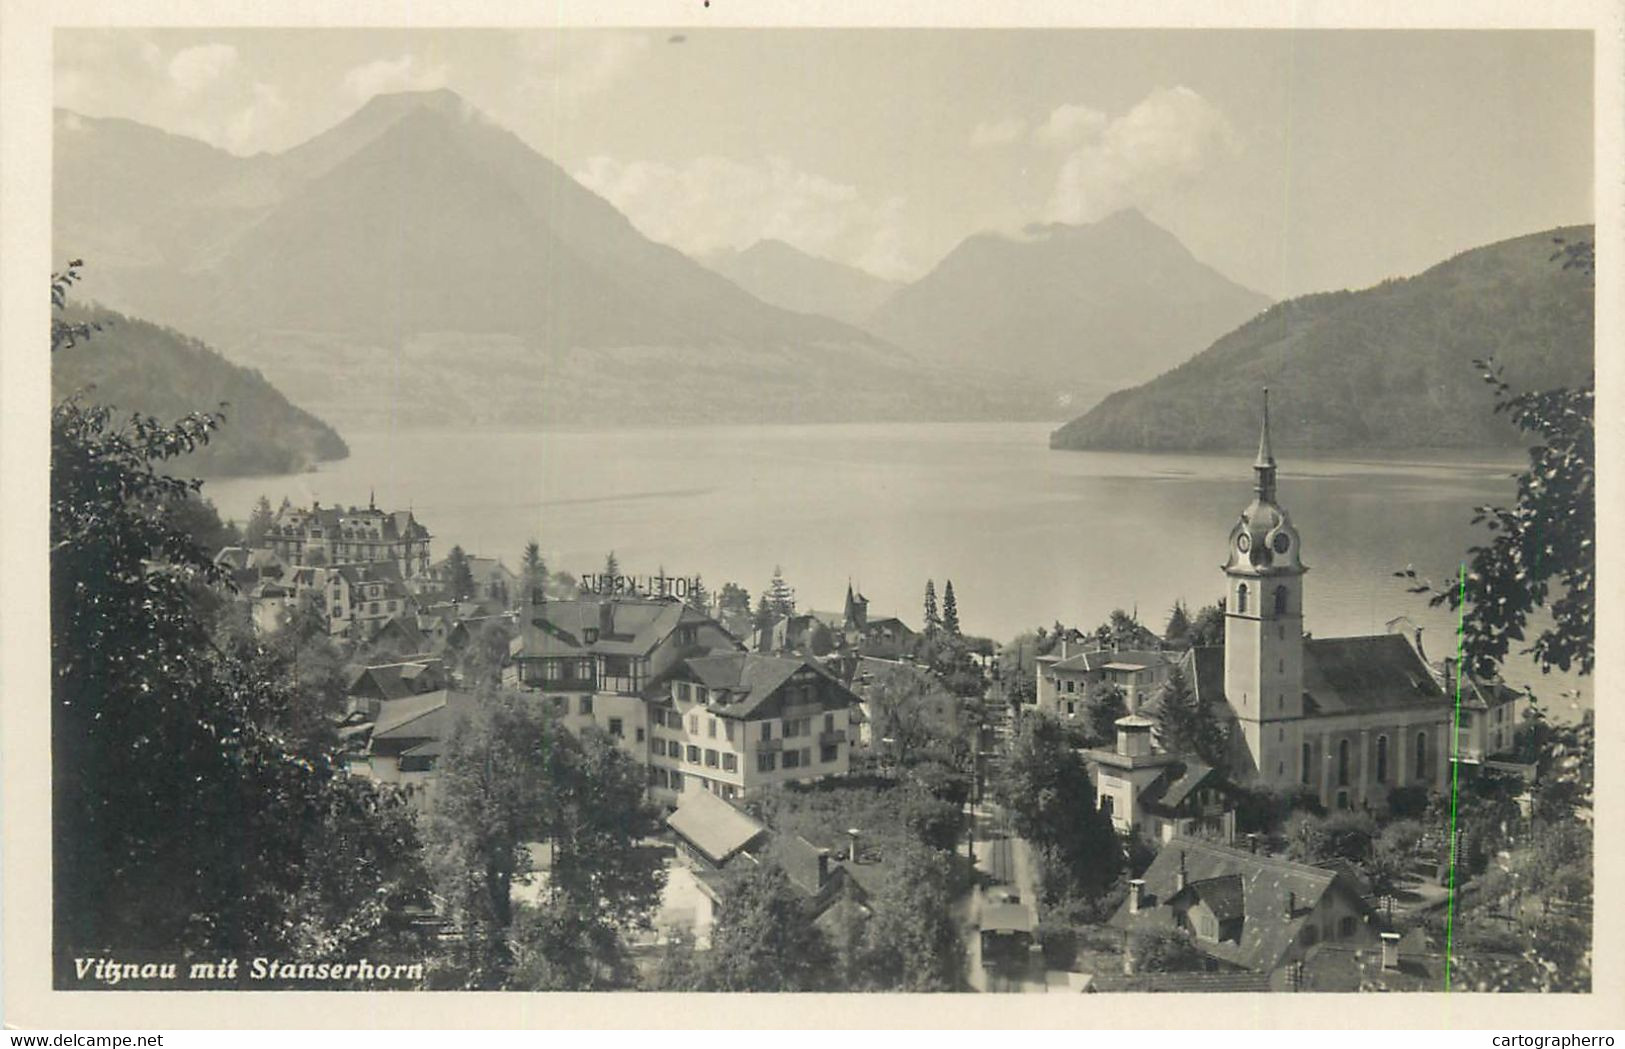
1002	858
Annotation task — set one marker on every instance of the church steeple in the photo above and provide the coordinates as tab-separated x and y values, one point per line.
1264	465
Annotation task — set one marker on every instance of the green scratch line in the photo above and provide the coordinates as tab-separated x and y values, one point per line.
1455	782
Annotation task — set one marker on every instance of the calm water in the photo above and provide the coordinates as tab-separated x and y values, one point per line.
1027	535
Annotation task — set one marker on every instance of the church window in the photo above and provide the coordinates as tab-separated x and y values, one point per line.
1342	763
1280	600
1382	759
1241	598
1308	760
1421	755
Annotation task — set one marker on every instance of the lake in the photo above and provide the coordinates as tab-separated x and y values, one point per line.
1028	535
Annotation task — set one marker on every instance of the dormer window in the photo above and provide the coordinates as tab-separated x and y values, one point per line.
590	634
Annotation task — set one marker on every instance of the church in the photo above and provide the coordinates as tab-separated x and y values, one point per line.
1350	718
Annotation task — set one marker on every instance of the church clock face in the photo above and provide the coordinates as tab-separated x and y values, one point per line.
1281	543
1242	542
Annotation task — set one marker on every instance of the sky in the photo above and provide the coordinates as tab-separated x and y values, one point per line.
1292	161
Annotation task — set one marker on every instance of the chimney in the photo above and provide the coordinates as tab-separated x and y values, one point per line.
1181	880
606	619
1252	842
1390	951
823	867
1291	904
1136	894
852	849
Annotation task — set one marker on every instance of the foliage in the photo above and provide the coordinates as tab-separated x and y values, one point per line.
1164	951
1046	788
612	566
933	618
1179	625
1546	542
145	368
1207	627
764	939
906	705
950	610
1407	802
1265	810
1186	724
259	523
913	941
734	598
512	776
699	598
192	811
1102	706
459	579
532	573
780	597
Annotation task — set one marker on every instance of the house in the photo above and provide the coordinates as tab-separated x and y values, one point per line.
357	599
1066	675
406	738
804	634
594	659
334	535
496	586
1488	717
269	604
938	710
370	686
1243	910
717	842
731	723
248	566
1156	795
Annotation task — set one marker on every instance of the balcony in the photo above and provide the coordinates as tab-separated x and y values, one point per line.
837	736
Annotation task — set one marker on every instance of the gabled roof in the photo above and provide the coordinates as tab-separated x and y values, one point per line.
1123	659
751	680
1268	885
408	717
623	626
1356	674
716	829
1222	895
1177	782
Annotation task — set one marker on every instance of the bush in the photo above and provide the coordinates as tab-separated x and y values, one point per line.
1408	803
1060	944
1164	951
1265	810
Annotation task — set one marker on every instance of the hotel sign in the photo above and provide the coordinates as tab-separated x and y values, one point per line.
659	585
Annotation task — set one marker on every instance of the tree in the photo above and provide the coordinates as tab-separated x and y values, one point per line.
511	777
1207	628
1165	951
733	598
1546	542
191	812
914	940
1186	724
612	567
1047	790
901	701
933	620
459	576
533	573
950	610
1102	706
780	597
259	524
698	598
1179	625
494	795
764	939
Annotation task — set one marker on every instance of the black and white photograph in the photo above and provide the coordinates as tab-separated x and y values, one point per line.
690	507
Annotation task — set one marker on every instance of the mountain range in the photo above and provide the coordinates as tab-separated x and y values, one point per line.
1387	367
784	275
418	263
1091	308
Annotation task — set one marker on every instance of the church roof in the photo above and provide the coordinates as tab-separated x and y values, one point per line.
1343	675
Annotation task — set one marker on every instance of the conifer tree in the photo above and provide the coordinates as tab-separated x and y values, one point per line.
781	598
933	620
1179	623
612	567
950	610
698	598
259	523
533	571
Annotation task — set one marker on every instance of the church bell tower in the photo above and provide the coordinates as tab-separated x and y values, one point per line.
1263	626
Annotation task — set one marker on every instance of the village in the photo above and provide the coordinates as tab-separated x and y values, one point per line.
1228	804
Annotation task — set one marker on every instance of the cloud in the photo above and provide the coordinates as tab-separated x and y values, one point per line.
713	203
247	127
386	75
1069	125
1168	140
577	63
992	133
195	68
